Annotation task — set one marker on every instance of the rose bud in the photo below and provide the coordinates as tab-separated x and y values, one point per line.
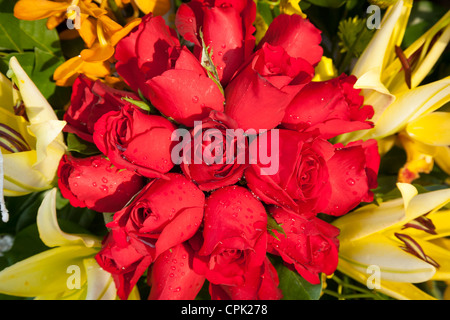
262	284
136	141
300	182
310	246
89	101
124	262
297	35
334	107
151	60
216	135
353	173
258	95
172	276
230	46
164	214
95	183
234	236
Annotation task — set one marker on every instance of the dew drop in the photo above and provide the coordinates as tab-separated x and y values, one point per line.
195	99
105	180
351	182
95	163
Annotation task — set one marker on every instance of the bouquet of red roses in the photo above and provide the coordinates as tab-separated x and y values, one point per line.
221	157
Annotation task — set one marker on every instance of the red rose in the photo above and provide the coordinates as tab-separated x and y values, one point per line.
353	172
151	60
89	101
308	245
145	52
185	92
262	284
95	183
215	163
172	276
125	263
301	183
299	37
258	95
234	236
136	141
334	107
164	214
230	46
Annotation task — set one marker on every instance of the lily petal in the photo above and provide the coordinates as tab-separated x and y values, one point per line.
49	230
19	179
44	273
375	53
423	203
49	146
394	263
6	97
441	256
410	105
37	107
432	129
100	284
396	290
371	218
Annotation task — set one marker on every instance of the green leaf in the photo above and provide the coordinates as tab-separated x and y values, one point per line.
76	144
328	3
265	12
26	244
207	63
273	225
141	104
38	50
20	35
294	286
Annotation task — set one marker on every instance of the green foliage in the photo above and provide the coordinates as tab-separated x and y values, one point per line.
37	49
354	36
80	146
328	3
294	286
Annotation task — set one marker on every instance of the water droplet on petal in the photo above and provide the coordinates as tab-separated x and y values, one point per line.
194	99
351	182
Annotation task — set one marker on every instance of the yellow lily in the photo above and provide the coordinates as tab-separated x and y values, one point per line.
390	80
66	271
398	239
31	141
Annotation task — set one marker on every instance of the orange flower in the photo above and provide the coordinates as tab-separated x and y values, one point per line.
98	26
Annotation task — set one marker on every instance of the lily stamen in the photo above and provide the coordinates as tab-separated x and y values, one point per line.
411	246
